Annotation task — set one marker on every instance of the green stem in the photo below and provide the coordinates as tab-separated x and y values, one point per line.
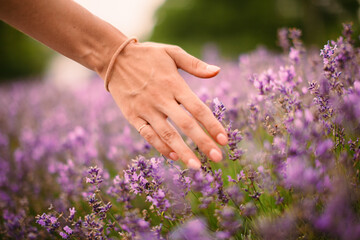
262	206
235	203
195	195
112	217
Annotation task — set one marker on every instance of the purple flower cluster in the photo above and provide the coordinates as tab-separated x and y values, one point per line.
292	167
164	188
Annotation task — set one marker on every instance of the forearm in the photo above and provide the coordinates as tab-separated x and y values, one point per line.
66	27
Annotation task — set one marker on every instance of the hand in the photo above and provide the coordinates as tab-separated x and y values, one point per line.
147	87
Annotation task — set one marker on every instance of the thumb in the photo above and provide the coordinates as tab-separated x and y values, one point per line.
191	64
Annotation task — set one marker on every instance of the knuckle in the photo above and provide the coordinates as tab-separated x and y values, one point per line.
168	135
177	49
187	125
148	135
159	99
195	62
214	126
199	109
205	144
163	149
161	105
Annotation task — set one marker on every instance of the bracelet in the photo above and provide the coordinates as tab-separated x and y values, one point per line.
113	58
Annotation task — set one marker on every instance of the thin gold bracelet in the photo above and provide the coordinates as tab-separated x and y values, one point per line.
113	59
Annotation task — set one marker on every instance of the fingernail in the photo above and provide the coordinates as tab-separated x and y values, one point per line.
222	139
215	155
173	156
194	164
212	68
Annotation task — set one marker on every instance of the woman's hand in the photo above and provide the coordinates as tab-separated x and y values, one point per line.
148	88
144	81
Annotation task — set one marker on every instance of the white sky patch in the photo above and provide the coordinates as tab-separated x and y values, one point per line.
132	17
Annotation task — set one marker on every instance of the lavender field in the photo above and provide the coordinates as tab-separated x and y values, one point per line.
71	167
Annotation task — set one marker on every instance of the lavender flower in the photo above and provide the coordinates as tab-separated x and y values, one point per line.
193	229
50	222
219	109
94	178
291	168
235	138
63	235
283	39
72	213
228	222
294	55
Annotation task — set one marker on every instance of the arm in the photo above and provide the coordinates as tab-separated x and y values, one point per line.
66	27
144	81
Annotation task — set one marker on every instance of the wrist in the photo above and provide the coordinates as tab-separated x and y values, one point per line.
113	59
96	52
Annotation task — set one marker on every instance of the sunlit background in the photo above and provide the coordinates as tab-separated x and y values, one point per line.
233	26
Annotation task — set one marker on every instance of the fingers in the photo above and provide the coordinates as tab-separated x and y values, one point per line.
203	114
147	132
164	137
172	138
192	129
191	64
149	103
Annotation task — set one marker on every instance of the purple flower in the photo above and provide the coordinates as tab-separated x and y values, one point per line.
228	221
294	55
287	75
291	167
158	200
338	218
219	109
283	40
94	178
294	33
135	225
347	32
234	138
235	195
193	229
72	213
68	230
265	82
63	235
3	140
50	222
324	147
297	168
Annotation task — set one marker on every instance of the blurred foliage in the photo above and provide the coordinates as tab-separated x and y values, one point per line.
20	55
237	26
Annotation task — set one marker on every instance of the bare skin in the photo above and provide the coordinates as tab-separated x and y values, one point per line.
144	82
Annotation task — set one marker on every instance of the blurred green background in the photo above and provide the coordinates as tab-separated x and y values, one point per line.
234	26
237	26
20	55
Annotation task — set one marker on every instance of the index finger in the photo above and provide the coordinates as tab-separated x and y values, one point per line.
202	113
